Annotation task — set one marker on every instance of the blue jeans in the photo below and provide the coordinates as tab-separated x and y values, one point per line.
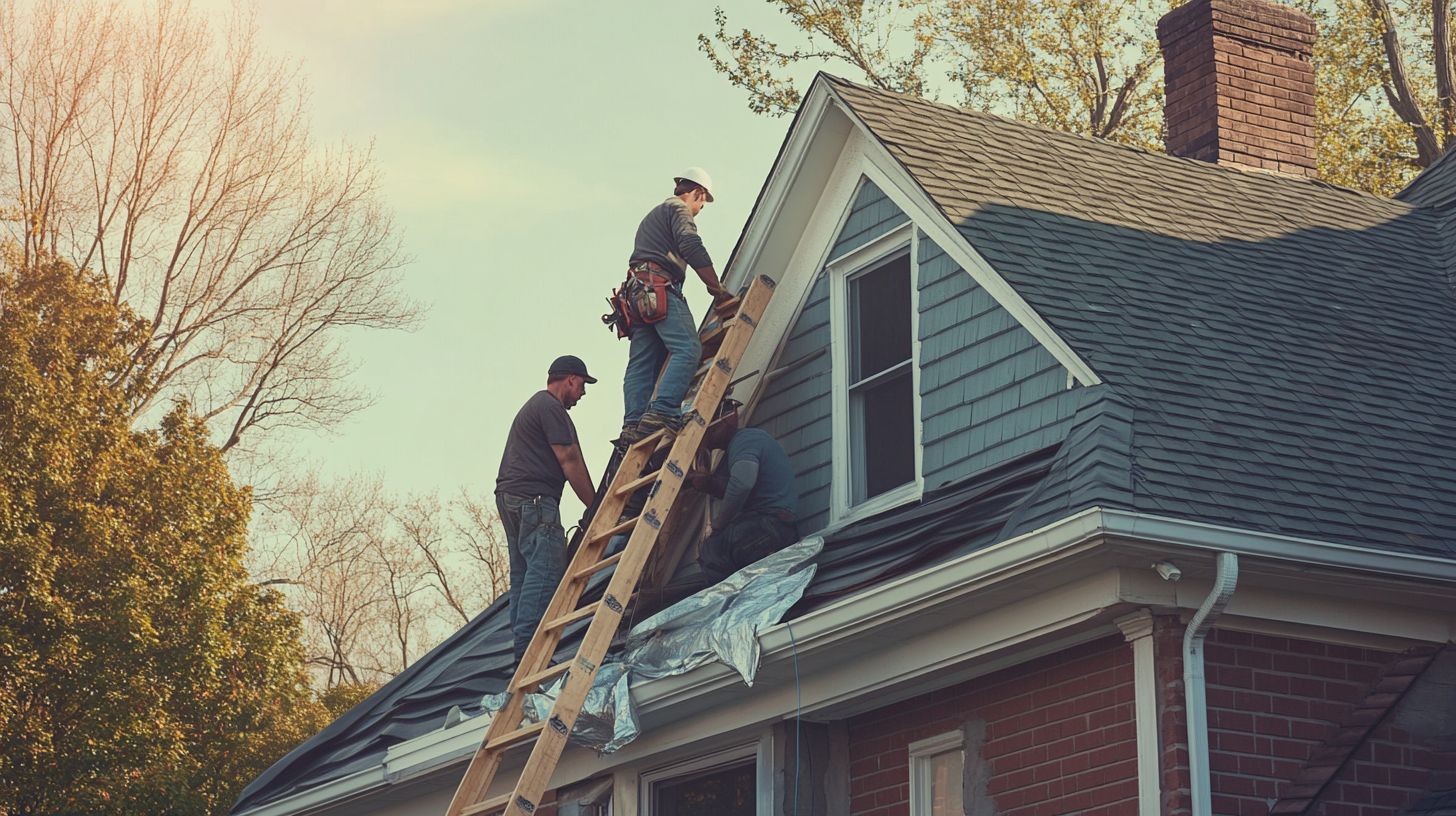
676	334
537	545
747	539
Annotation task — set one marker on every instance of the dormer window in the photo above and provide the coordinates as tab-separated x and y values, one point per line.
881	388
876	433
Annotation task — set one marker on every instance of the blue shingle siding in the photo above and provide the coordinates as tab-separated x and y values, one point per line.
989	391
796	407
872	215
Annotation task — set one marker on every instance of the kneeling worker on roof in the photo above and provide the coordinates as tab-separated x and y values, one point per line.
541	454
756	517
667	244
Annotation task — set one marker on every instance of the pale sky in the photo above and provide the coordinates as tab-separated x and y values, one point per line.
521	141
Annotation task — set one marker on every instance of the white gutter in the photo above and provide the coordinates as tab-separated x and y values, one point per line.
1305	551
1194	696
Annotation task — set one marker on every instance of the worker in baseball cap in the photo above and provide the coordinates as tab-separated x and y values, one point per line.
542	454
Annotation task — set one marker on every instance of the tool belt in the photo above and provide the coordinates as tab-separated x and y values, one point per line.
642	298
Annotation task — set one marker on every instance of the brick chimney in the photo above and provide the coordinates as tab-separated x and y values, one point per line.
1239	84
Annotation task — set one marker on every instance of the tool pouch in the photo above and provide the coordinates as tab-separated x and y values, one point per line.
645	294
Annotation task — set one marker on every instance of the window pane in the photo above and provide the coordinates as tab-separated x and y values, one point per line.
880	319
945	784
888	411
721	792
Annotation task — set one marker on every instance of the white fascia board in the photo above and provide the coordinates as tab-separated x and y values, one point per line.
329	794
782	177
1311	552
998	638
909	196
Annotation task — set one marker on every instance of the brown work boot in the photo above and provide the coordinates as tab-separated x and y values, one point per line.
652	422
630	436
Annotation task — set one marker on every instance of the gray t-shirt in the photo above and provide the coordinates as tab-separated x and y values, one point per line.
773	489
668	237
528	467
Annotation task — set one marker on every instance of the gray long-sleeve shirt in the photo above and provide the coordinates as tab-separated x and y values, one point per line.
668	237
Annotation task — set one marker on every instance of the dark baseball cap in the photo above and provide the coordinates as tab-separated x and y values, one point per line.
571	364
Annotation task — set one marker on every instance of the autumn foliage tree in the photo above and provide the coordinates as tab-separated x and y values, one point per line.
140	670
1385	110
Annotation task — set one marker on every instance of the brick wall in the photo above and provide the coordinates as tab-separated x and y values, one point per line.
1239	85
1172	716
1272	702
1059	737
1388	774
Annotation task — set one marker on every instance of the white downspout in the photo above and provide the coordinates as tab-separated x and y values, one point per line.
1194	696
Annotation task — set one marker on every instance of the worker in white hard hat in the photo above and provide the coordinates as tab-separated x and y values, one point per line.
661	324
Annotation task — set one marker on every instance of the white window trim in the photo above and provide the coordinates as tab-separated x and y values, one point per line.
841	270
922	750
760	750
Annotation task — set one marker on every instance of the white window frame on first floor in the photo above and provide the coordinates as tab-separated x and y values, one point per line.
842	270
921	751
760	750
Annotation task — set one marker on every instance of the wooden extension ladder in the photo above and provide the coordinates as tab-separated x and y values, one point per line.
505	731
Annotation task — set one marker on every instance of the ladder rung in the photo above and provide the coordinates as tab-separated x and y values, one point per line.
519	735
655	437
545	674
566	620
637	484
490	805
598	566
620	528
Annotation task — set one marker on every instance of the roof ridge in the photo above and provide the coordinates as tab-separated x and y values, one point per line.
1083	138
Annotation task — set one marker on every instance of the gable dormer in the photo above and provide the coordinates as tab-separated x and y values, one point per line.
898	372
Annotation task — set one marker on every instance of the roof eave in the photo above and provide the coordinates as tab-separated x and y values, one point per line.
825	632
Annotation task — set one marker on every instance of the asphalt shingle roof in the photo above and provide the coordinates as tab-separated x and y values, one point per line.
1285	346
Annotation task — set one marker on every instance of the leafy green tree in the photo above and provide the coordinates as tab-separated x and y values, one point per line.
1087	66
140	670
1386	72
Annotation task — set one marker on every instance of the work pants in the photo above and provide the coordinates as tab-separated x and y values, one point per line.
537	546
748	538
677	335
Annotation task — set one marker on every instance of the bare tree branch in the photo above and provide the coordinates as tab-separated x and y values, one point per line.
174	156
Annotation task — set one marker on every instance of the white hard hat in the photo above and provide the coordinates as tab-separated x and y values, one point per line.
698	176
